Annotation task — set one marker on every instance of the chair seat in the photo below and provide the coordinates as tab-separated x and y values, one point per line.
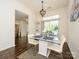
55	47
31	40
34	42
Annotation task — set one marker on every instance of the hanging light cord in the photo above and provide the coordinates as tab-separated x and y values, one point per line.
42	3
42	11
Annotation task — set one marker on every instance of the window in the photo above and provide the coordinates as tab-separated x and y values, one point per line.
51	26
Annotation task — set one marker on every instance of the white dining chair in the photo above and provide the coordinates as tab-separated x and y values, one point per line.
33	42
58	47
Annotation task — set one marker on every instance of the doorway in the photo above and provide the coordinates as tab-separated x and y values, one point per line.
21	32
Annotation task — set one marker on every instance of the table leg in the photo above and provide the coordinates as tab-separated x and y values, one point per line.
43	48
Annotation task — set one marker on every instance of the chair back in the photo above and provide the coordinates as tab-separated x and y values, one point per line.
31	40
30	36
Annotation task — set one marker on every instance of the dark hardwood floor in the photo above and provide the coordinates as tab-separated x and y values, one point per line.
21	45
12	53
32	53
8	54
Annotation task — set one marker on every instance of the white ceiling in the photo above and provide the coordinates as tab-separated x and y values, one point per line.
35	5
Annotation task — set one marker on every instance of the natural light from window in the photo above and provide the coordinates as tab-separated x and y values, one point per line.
51	25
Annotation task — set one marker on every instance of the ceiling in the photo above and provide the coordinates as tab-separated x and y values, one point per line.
35	5
20	16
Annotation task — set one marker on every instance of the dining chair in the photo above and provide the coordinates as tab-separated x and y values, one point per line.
33	42
58	47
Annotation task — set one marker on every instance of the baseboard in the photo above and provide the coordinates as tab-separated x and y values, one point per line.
6	48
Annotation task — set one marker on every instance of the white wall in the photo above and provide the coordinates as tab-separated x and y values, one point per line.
23	27
38	23
73	38
7	22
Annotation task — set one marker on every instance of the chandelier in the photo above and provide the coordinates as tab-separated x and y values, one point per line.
42	11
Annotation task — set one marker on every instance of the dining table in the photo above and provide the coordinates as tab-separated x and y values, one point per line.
43	43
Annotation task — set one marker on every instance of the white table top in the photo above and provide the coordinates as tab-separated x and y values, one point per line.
52	40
